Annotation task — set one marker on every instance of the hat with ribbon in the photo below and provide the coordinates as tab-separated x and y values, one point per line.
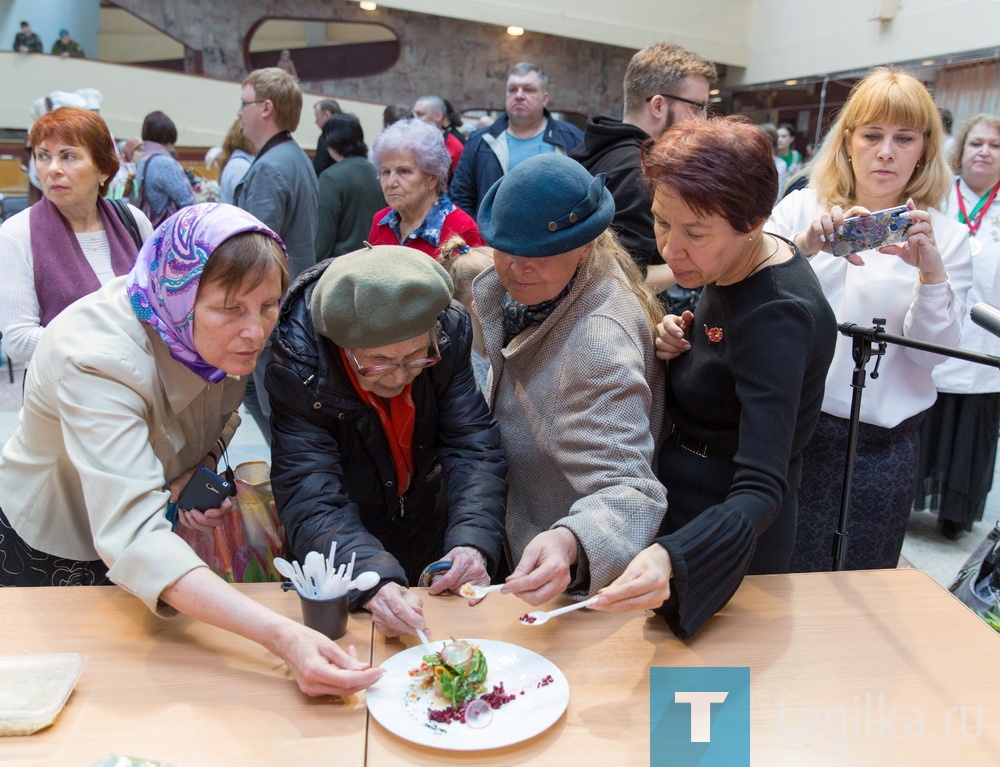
378	296
546	205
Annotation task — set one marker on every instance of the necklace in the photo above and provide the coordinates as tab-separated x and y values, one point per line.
760	265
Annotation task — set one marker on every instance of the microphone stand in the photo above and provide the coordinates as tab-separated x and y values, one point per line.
861	350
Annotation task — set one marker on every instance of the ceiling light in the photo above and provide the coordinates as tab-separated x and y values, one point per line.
927	63
791	82
368	5
515	31
714	92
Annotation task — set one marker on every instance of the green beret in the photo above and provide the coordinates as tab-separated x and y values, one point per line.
378	296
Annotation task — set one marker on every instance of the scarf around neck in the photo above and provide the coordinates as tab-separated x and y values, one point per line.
397	417
163	284
518	317
61	271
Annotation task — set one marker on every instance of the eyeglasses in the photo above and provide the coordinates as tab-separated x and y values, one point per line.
245	104
376	371
702	105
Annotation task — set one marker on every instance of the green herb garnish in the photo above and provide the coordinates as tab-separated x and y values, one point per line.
460	670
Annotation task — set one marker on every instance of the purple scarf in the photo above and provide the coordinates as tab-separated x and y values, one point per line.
163	284
62	272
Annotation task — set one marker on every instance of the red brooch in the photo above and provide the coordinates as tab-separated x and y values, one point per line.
714	334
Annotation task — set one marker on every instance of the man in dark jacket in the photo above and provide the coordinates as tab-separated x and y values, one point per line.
664	84
27	41
524	130
382	441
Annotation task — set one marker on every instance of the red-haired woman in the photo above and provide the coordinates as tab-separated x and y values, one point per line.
745	381
70	242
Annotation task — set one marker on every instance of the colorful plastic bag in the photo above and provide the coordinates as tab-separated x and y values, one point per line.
242	549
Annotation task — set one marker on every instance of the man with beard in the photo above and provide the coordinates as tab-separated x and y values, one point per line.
664	84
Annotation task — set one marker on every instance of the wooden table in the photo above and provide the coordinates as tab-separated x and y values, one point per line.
831	656
826	651
176	691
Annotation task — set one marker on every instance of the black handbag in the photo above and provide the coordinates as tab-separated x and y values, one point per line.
977	584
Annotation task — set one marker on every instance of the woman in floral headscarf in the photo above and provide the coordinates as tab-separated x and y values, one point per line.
130	390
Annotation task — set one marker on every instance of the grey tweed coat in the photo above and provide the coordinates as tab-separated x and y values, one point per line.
580	403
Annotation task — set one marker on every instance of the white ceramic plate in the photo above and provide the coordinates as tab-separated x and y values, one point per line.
401	707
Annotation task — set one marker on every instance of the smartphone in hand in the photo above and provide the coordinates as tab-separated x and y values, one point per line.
883	227
205	490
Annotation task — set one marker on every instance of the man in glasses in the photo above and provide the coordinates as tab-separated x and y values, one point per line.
664	84
280	188
382	440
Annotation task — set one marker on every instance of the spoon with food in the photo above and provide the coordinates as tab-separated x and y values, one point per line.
472	591
538	617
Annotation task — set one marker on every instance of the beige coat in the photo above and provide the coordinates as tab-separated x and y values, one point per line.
109	418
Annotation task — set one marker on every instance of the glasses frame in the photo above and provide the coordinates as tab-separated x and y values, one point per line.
702	105
377	371
245	104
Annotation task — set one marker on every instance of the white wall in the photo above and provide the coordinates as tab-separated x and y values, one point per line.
201	107
809	37
81	17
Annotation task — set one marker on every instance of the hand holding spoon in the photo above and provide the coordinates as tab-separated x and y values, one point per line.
472	591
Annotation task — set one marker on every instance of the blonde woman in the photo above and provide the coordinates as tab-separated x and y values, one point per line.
883	151
464	264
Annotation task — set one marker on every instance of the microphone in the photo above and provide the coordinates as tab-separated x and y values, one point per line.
987	317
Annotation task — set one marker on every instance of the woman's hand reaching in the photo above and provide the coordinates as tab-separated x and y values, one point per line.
645	584
671	335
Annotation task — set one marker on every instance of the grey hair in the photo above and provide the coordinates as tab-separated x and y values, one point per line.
419	137
434	103
526	68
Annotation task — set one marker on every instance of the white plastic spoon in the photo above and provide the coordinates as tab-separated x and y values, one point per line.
291	571
350	570
473	591
427	645
364	581
284	567
315	571
538	617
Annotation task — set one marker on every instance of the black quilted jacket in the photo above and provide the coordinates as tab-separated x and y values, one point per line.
332	471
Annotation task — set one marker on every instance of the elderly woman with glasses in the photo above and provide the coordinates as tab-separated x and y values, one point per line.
382	441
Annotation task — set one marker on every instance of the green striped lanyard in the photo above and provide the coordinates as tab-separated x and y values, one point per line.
976	218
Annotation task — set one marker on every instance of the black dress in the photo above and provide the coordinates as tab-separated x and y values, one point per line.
958	452
744	400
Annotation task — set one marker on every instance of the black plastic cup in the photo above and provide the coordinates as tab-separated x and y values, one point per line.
327	616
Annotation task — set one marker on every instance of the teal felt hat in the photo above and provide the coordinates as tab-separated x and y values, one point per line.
546	205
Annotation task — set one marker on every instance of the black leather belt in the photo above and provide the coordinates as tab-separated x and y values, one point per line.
683	441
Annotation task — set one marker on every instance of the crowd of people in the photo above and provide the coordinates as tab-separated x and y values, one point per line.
591	363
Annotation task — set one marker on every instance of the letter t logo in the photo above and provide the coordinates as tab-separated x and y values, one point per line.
701	712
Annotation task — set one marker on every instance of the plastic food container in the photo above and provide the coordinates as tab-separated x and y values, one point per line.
34	689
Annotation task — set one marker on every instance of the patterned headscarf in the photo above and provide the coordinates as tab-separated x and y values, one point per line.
163	284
